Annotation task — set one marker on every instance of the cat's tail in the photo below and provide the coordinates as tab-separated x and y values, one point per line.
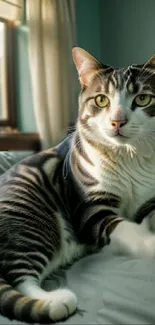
14	305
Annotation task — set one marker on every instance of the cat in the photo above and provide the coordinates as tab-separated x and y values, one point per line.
95	190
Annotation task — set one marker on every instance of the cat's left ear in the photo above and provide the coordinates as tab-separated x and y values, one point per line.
151	62
86	65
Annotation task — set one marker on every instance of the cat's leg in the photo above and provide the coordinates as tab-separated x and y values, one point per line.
60	302
151	218
150	221
131	238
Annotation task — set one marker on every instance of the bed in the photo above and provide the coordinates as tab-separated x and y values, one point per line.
110	289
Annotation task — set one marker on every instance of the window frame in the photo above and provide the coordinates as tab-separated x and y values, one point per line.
9	88
10	137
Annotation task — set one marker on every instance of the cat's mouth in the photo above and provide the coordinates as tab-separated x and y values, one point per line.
119	134
118	137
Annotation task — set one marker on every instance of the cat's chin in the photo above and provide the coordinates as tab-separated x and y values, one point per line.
119	140
131	145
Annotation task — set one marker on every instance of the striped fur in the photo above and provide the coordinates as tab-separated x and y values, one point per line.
36	238
44	225
82	195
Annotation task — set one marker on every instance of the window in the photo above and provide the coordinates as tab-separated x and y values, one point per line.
7	100
11	9
10	12
10	138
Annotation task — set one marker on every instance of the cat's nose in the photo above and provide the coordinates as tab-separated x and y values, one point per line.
118	124
118	117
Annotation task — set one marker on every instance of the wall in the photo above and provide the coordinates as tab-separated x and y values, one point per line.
88	26
127	31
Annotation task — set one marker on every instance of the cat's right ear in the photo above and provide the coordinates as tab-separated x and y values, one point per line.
150	62
86	65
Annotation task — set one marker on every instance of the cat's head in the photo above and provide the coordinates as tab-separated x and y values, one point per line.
116	106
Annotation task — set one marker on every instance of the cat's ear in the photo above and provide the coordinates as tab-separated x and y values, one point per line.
86	65
150	62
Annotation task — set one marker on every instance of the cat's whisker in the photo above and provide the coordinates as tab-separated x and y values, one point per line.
147	77
144	74
131	150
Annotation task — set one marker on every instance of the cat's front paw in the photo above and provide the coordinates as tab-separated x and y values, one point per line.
61	304
129	238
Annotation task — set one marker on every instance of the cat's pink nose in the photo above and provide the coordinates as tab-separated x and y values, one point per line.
117	117
118	124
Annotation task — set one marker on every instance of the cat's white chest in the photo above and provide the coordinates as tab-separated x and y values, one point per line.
133	181
141	188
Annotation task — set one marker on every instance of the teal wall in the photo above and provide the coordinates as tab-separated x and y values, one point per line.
88	26
127	31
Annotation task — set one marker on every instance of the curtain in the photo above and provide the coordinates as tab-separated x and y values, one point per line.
11	9
51	25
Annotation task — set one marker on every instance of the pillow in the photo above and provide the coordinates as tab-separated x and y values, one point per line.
8	159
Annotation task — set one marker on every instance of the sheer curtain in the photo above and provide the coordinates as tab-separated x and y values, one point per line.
51	25
11	9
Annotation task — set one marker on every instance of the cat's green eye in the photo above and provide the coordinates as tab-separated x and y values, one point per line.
101	101
143	100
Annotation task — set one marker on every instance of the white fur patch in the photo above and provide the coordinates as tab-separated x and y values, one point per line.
133	239
61	303
68	252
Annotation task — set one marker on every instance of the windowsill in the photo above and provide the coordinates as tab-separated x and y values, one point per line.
20	141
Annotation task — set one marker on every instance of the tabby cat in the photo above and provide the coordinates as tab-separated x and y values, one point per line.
93	190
